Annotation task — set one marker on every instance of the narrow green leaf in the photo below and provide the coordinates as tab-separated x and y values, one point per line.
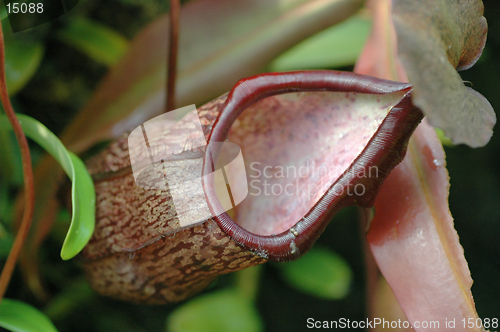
20	317
337	46
82	190
21	62
95	40
321	273
223	311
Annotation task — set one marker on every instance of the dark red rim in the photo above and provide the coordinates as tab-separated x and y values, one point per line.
385	150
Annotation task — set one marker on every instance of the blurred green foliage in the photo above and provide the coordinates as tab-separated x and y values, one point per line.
223	311
97	41
22	59
335	47
321	272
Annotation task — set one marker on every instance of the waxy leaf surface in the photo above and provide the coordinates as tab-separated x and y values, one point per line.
286	176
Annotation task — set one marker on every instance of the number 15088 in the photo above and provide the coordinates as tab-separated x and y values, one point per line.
24	8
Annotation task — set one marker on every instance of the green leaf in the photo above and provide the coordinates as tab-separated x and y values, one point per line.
216	312
334	47
321	273
21	317
95	40
21	62
82	190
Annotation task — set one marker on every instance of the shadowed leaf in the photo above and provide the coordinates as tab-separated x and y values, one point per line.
97	41
21	61
435	37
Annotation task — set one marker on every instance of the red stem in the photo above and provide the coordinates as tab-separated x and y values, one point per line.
28	177
173	46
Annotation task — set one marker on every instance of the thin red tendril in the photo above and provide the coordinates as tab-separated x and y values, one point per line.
28	177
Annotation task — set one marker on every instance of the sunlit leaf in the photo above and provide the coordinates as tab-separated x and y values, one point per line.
83	193
223	311
21	317
435	37
321	273
21	62
337	46
97	41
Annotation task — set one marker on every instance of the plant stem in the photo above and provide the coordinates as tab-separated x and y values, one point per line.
28	177
247	282
173	45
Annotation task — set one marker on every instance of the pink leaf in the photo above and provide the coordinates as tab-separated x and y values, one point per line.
412	236
413	239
